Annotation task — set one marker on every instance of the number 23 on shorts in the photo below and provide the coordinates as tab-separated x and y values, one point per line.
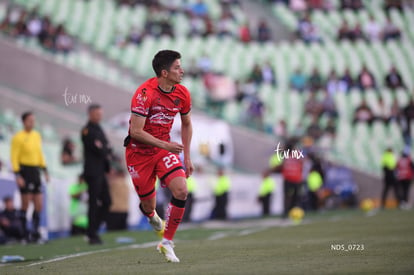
170	160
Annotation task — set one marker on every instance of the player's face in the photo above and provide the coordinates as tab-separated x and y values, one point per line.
96	115
9	205
29	123
176	72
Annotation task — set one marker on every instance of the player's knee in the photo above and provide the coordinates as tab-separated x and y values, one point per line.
178	188
181	194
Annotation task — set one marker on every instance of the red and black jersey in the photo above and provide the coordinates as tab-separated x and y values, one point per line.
292	170
159	108
405	169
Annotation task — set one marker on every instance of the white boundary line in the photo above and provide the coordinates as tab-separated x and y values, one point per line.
62	258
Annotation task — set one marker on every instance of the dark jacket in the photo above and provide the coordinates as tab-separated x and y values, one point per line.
96	158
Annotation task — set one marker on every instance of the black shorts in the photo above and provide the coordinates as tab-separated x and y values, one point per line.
32	182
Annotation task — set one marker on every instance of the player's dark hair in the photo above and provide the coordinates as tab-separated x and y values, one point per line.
7	198
93	107
25	115
163	60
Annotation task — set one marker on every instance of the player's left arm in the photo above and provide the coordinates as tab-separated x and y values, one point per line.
42	160
186	136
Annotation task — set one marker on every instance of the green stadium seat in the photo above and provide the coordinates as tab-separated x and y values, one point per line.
335	20
408	49
320	20
341	104
84	60
286	16
49	133
231	112
381	55
113	75
62	12
355	97
351	17
378	131
47	7
359	153
114	52
402	97
397	18
363	17
129	56
387	96
75	19
99	69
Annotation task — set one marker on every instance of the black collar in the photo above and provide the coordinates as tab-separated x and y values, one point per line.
169	92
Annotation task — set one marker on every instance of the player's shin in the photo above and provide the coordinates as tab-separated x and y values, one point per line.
23	220
147	214
155	221
174	216
36	221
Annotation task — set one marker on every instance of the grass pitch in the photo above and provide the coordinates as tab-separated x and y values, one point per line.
331	242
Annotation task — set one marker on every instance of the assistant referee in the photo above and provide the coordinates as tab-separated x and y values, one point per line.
27	161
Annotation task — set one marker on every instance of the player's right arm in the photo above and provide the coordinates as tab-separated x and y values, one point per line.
137	132
14	155
275	169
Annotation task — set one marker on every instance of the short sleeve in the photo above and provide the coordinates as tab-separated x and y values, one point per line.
186	108
140	102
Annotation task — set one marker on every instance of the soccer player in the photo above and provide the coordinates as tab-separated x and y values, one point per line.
27	161
149	151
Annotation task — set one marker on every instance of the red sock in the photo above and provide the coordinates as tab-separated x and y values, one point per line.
174	216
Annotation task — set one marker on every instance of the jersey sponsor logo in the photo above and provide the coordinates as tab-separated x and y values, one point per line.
161	118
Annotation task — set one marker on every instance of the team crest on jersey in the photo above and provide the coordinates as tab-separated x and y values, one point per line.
144	94
142	97
177	101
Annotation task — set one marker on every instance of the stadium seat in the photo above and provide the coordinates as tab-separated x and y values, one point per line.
231	112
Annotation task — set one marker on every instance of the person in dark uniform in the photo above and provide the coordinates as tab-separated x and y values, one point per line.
96	152
10	221
221	193
389	163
